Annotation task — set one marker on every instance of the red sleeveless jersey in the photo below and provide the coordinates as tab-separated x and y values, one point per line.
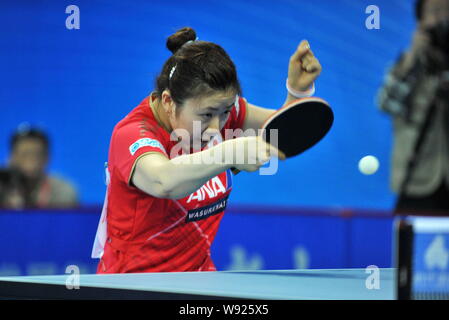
149	234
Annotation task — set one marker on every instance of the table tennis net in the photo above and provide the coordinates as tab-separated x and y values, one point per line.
423	258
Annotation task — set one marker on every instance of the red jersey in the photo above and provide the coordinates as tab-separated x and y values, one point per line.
150	234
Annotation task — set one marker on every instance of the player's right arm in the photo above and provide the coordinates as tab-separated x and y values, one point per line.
161	177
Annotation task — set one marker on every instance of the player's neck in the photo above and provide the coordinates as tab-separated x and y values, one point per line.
160	114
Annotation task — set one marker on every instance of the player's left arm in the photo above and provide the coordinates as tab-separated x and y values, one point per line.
303	69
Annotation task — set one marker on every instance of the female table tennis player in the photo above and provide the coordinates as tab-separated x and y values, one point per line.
161	212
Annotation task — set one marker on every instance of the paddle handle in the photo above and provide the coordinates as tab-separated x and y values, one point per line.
235	171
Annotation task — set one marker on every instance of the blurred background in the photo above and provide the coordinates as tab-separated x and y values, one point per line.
318	211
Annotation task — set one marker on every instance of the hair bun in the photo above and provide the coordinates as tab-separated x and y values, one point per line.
176	40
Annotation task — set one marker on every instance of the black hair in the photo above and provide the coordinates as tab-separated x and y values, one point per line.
30	133
419	5
196	68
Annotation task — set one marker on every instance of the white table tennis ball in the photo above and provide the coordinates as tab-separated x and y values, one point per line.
368	165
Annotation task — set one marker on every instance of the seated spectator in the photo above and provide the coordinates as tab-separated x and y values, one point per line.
25	183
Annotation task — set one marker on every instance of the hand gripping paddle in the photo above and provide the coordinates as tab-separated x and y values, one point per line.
300	125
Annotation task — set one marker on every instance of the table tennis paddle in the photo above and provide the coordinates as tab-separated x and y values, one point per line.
301	124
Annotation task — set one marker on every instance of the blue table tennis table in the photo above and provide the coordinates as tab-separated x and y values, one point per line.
310	284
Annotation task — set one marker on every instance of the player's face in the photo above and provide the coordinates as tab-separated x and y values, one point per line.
29	156
207	114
